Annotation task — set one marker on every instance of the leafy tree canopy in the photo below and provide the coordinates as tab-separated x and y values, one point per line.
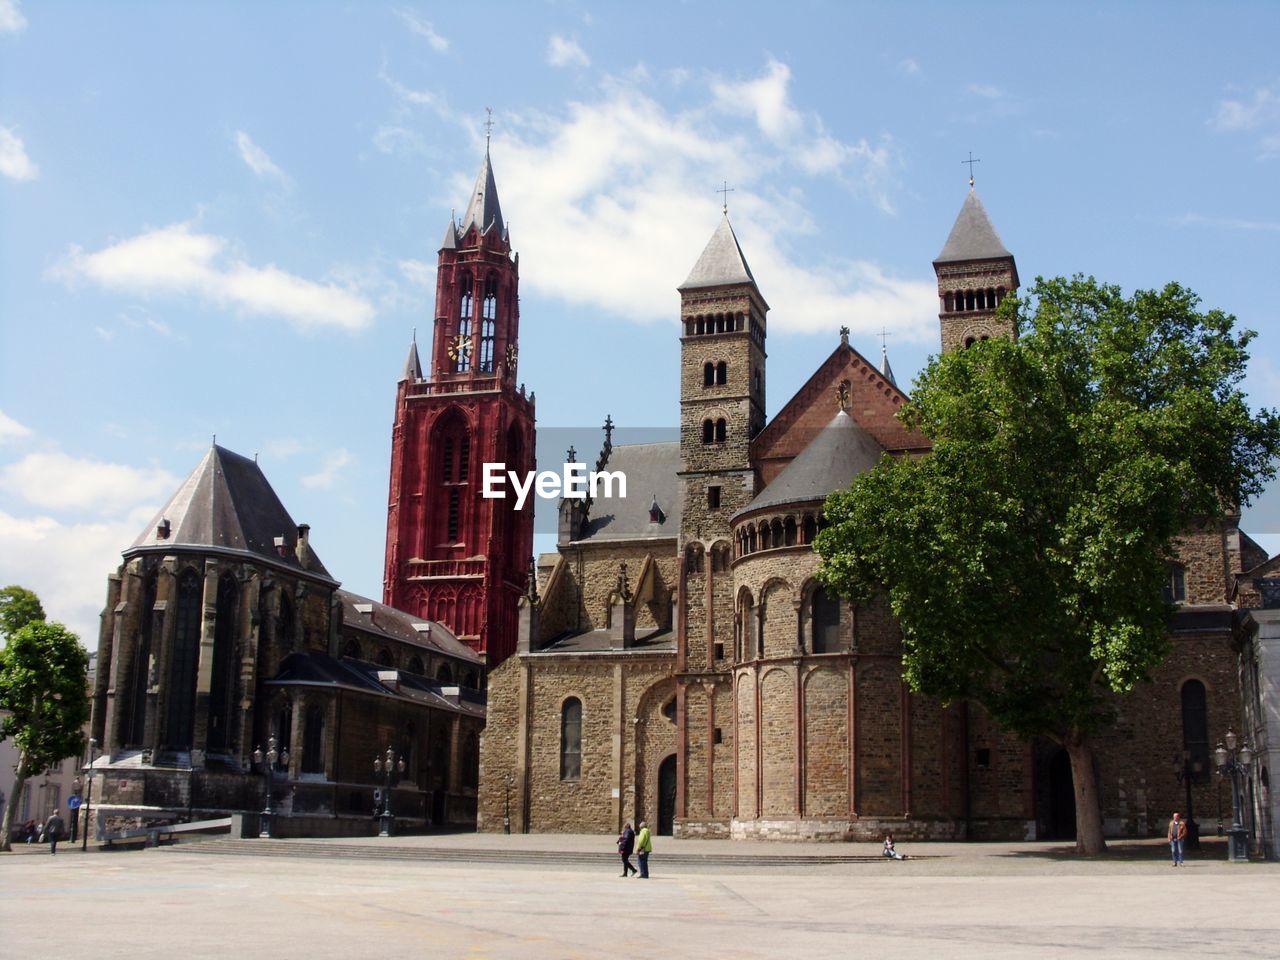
43	687
18	607
1025	557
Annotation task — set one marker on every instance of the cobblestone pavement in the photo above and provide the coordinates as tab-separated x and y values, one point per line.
959	900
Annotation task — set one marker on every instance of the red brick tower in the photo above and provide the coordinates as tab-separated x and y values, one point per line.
452	555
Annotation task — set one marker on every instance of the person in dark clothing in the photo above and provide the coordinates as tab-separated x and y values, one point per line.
53	828
627	846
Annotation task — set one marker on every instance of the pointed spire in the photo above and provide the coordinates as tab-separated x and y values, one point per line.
412	366
886	371
722	263
483	210
972	237
450	241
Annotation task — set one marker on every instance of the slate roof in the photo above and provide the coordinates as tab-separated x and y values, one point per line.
227	504
483	210
722	263
313	668
648	640
651	470
395	624
972	237
840	452
412	365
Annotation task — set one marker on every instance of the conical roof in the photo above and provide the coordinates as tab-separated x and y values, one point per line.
721	263
840	452
412	366
227	504
450	241
886	371
972	237
483	210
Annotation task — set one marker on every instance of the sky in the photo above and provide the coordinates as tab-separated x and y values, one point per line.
222	218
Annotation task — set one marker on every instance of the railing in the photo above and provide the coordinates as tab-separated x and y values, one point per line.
446	569
464	384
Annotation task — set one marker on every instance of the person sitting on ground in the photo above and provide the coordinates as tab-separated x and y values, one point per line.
890	850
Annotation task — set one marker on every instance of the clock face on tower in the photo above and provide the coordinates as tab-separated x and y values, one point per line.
512	356
459	346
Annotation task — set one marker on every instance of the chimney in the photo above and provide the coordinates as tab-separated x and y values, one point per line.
162	529
303	550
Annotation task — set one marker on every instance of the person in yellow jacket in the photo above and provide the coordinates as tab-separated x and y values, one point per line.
644	847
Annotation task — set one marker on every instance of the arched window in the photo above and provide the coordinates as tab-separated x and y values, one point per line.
708	431
810	528
444	674
453	441
722	430
789	531
415	665
969	342
722	373
466	311
140	676
313	740
351	650
571	739
222	686
824	619
385	659
182	668
708	374
1175	587
489	315
1195	729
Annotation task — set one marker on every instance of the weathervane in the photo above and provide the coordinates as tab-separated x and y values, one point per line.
970	162
725	190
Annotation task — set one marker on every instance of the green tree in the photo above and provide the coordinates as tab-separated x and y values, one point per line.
18	607
45	699
1025	557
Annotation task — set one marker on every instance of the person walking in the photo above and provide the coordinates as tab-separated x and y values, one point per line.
644	847
626	846
53	828
1177	834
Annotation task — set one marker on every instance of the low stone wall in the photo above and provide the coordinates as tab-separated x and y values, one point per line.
844	830
701	830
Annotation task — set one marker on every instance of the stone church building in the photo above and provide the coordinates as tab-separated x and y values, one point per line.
678	662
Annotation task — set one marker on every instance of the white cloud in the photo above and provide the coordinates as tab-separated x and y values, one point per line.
419	272
327	475
1258	112
398	140
424	29
1227	223
564	52
11	18
909	66
11	429
66	563
14	162
56	481
987	91
176	261
616	200
256	159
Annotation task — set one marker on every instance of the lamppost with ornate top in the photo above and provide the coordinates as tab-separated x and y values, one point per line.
268	768
1235	763
386	766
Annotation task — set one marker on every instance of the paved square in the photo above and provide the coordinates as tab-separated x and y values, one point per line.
958	901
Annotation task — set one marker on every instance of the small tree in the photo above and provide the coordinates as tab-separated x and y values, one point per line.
18	607
43	689
1025	557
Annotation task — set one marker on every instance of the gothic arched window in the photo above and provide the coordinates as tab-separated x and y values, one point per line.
313	740
222	687
444	674
182	667
352	650
571	739
453	441
1175	587
488	318
466	312
1195	729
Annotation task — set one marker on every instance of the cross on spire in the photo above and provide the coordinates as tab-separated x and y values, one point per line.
488	127
884	337
970	162
725	191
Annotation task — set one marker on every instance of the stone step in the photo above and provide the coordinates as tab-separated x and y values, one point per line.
392	851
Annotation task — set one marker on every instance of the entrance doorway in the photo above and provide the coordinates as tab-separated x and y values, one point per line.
1062	797
667	796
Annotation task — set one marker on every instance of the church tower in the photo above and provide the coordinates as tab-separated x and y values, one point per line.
722	409
974	271
452	555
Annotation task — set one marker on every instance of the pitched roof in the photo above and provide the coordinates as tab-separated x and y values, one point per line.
385	621
227	504
885	370
650	469
722	263
315	669
972	237
483	210
839	452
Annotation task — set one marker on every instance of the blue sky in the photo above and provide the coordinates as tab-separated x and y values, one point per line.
222	218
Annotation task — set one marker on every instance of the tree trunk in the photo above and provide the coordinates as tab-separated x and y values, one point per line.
1088	803
19	781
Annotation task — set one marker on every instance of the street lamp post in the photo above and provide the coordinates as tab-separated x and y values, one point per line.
269	768
386	766
88	795
1187	771
1235	763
